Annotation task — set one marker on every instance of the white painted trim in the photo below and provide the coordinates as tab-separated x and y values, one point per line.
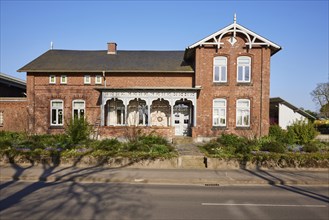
237	70
213	108
100	77
85	79
236	114
63	81
234	28
50	79
51	108
78	100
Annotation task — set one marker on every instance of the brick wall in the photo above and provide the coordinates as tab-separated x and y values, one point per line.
14	111
41	92
257	91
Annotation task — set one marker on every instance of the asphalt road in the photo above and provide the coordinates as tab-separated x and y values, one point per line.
73	200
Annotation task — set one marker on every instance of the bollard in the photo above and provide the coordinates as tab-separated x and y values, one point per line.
205	161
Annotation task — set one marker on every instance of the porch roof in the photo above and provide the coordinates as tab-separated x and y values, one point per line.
149	88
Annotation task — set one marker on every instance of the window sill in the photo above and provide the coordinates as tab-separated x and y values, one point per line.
214	128
220	83
244	84
243	128
56	126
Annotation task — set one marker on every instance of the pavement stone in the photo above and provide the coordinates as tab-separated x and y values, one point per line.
163	176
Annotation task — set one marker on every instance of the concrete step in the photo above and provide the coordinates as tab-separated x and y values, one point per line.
182	140
191	162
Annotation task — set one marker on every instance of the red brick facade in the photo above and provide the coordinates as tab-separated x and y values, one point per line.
257	91
194	73
14	114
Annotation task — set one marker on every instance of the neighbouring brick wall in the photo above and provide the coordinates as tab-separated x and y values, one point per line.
257	91
15	115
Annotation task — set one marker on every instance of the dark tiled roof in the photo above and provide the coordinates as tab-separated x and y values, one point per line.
276	100
96	61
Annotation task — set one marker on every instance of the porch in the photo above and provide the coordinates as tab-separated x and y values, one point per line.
169	110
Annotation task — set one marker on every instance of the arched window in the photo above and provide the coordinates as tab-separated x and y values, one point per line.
244	69
243	113
219	112
56	112
220	69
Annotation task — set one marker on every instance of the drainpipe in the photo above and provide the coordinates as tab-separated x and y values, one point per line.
104	76
261	94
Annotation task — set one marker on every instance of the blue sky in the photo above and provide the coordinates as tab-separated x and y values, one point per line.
300	27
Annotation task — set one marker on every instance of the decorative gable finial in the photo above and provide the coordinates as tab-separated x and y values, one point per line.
234	19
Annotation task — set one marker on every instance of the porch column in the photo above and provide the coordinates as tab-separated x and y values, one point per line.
172	103
194	113
125	103
148	104
102	113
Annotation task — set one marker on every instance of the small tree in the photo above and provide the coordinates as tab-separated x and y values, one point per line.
78	130
320	96
302	131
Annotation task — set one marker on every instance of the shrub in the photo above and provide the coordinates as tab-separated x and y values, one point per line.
280	135
78	130
311	147
109	145
229	140
302	131
273	146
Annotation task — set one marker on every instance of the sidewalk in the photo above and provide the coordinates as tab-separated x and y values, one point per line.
164	176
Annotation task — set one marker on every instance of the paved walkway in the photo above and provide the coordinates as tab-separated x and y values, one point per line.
163	176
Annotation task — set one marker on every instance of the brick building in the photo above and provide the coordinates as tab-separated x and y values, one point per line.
219	84
13	104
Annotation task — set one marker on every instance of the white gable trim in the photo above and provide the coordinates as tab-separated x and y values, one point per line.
235	28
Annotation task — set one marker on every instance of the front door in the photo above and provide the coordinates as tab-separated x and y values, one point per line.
182	119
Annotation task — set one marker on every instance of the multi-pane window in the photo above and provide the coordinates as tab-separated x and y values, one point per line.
244	69
116	112
243	113
78	108
87	79
52	79
219	112
56	113
220	69
63	79
1	118
98	79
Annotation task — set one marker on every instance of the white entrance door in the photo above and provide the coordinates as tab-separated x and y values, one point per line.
181	120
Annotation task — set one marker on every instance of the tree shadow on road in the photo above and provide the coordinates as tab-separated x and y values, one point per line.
66	197
281	183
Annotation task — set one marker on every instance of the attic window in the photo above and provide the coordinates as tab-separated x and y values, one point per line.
52	79
87	79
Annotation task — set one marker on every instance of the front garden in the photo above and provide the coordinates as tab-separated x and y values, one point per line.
76	144
294	147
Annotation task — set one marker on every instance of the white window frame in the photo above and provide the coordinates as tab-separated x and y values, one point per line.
85	79
220	67
51	81
219	120
79	109
57	109
1	118
242	111
63	79
98	79
244	68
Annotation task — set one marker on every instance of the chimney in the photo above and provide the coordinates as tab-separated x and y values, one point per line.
111	48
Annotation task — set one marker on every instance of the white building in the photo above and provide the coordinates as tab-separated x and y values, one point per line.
284	114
